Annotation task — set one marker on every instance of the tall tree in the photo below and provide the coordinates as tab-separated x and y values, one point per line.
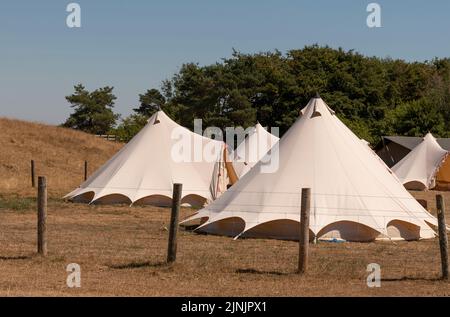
272	87
151	102
130	126
92	110
373	96
416	118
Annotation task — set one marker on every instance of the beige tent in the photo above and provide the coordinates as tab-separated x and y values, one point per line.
254	147
355	197
144	171
427	166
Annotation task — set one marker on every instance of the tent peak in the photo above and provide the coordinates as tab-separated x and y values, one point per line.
317	96
157	121
259	126
430	136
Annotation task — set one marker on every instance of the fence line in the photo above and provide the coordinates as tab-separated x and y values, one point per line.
251	192
109	137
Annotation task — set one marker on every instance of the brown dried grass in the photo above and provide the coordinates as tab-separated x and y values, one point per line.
59	154
122	251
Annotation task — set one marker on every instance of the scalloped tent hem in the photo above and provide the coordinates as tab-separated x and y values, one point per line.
156	200
286	229
416	186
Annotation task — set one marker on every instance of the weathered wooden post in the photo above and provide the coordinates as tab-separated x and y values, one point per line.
173	230
33	181
304	231
85	170
443	238
42	216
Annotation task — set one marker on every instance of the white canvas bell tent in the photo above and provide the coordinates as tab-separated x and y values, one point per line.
254	147
354	196
144	171
427	166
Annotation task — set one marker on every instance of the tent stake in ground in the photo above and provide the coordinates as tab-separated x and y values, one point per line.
304	231
42	216
443	239
173	230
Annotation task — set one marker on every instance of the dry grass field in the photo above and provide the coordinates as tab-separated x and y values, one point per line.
121	250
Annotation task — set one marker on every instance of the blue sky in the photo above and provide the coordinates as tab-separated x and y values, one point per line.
134	45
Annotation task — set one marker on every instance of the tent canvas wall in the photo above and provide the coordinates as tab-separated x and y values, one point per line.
144	171
392	149
355	197
254	147
427	166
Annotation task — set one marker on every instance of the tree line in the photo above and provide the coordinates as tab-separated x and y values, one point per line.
373	96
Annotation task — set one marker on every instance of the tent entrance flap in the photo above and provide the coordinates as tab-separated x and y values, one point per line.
232	175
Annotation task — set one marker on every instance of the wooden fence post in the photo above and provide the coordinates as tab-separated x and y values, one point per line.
85	170
443	238
42	216
33	181
304	231
173	230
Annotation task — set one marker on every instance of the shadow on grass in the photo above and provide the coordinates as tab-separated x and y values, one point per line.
15	258
190	228
406	278
139	265
253	271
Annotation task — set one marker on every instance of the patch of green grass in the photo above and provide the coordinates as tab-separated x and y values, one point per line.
17	203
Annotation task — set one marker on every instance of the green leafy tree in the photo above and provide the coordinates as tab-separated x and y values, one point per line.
416	118
92	110
130	126
151	102
373	96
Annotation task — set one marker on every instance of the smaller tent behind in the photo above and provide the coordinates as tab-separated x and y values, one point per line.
426	167
254	147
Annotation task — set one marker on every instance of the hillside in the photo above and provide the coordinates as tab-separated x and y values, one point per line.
59	154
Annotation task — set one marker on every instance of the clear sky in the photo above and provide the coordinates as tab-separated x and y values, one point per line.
134	45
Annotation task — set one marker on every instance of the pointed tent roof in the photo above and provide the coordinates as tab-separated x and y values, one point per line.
254	147
410	142
354	196
146	168
420	168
